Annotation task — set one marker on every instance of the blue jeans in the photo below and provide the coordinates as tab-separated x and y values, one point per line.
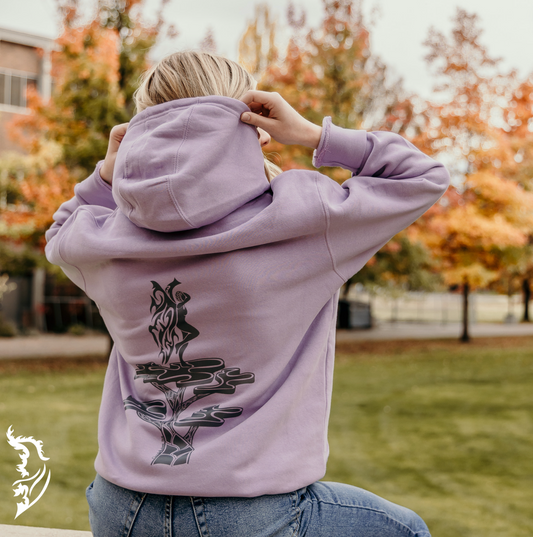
319	510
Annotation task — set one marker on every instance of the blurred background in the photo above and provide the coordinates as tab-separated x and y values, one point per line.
418	417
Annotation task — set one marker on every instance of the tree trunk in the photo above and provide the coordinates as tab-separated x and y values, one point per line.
465	338
527	297
343	315
37	296
175	449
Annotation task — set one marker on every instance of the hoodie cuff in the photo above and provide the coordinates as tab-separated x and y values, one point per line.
95	191
340	147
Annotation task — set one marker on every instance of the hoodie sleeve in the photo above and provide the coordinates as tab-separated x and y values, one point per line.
92	191
393	184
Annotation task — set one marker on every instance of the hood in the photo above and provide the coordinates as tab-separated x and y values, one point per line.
187	163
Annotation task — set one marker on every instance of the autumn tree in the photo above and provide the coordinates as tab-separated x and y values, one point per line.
485	215
257	46
517	120
136	39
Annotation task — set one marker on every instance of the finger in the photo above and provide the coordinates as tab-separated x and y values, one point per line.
262	97
263	102
118	131
258	121
258	108
116	136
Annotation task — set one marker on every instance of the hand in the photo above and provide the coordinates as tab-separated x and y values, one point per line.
272	113
117	133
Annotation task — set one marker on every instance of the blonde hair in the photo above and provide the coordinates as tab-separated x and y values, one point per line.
195	74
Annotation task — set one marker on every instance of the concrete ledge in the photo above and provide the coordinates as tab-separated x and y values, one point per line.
30	531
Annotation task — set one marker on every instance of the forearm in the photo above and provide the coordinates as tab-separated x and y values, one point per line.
376	154
92	191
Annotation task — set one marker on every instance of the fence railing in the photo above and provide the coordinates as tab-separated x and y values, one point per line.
62	311
33	302
442	307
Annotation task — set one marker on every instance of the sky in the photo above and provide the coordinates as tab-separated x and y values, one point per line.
397	33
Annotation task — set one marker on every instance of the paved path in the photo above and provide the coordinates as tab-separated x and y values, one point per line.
51	345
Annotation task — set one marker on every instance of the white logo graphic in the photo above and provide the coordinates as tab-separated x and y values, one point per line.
26	490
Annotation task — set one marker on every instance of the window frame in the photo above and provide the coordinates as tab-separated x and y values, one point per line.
24	76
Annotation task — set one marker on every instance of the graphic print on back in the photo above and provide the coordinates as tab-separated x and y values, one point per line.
182	382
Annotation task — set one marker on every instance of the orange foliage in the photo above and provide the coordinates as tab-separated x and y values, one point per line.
91	51
486	213
44	193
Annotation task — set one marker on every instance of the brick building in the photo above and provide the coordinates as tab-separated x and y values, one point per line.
24	61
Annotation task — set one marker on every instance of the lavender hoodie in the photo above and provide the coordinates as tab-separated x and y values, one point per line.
220	292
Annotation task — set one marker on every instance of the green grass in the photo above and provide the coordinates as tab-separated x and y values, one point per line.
447	432
444	429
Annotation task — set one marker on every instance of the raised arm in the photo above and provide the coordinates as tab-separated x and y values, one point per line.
393	184
95	190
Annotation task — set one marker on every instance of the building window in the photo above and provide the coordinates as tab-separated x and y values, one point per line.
13	87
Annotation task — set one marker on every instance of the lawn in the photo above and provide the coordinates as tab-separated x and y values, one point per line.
443	428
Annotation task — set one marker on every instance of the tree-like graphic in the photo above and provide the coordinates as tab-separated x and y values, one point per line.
169	329
205	376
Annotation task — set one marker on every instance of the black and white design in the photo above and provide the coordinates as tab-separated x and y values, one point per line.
205	376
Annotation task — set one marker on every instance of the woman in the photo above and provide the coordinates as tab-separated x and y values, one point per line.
218	278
